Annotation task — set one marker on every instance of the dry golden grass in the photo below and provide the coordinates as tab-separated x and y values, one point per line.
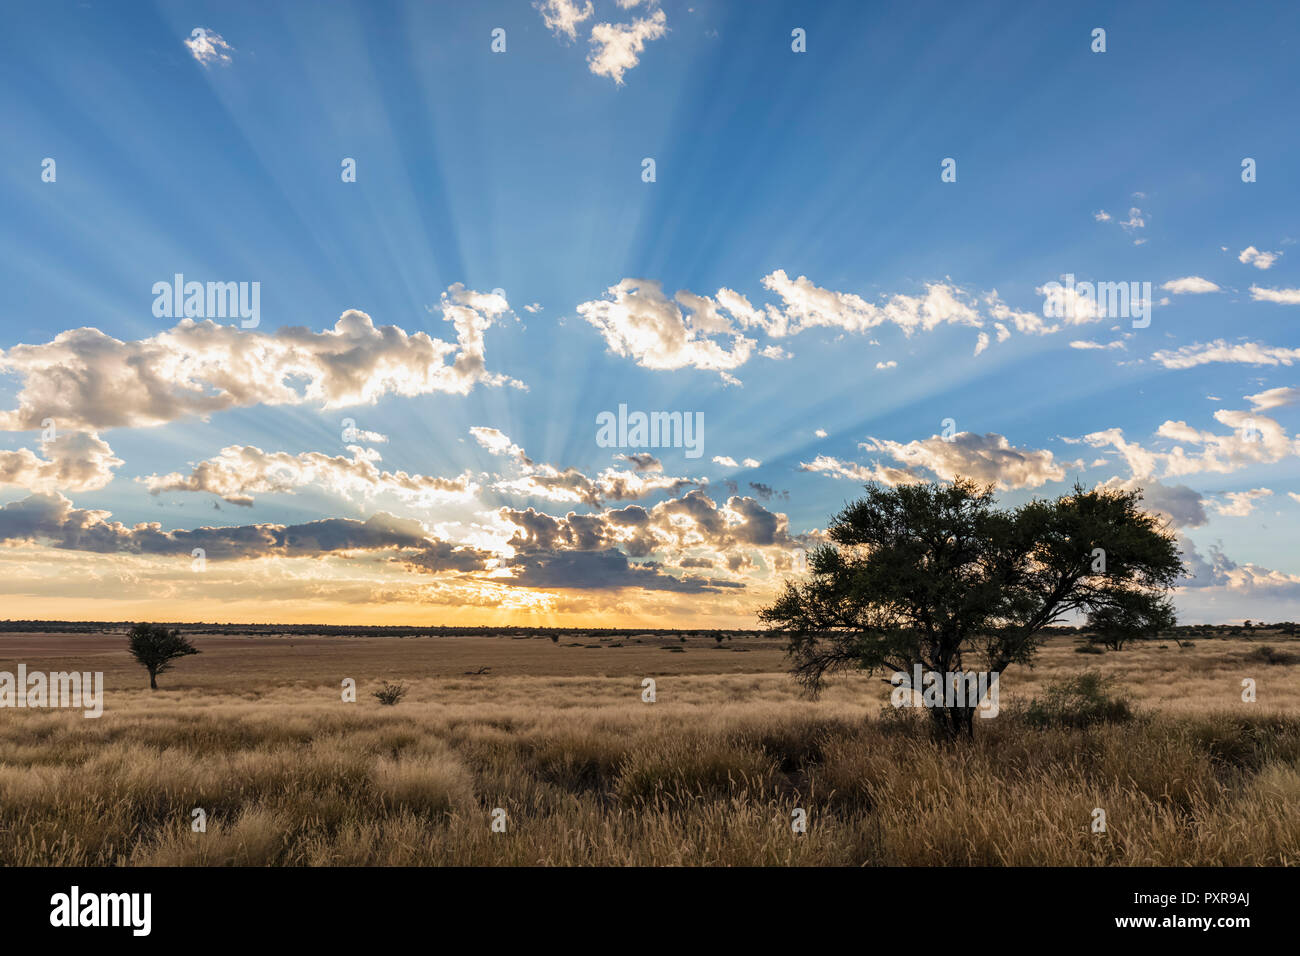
254	731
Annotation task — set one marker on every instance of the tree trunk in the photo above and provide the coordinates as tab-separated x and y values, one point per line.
153	681
953	722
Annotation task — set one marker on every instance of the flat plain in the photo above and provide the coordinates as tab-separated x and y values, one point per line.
555	742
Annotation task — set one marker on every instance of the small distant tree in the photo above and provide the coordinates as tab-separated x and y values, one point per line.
1130	617
155	647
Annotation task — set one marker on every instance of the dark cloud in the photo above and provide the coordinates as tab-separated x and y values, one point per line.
53	519
606	570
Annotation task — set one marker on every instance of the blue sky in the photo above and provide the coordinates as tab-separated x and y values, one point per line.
521	171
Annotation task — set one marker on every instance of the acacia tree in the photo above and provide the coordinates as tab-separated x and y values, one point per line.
1114	625
155	646
927	573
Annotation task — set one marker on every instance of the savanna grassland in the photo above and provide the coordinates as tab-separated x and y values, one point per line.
254	731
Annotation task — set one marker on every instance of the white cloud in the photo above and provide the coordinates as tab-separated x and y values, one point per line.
1027	323
1253	439
1245	353
1240	503
1260	260
1280	296
1135	221
1190	285
884	365
87	380
74	461
1273	398
617	47
986	458
208	47
532	480
239	472
498	443
726	461
563	16
640	322
808	306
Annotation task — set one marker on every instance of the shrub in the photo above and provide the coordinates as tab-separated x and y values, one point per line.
390	693
1078	701
1088	649
1268	655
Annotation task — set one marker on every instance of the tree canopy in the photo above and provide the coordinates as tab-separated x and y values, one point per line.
926	573
155	646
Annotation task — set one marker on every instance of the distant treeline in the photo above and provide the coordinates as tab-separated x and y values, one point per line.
357	630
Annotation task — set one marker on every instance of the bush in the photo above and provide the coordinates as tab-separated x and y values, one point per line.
1268	655
1079	701
1088	649
390	694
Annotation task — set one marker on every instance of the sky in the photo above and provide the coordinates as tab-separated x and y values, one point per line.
1033	244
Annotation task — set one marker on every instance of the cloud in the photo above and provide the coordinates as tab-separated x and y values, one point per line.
1253	439
1101	215
241	471
691	523
1089	344
644	461
571	485
563	16
821	433
1245	353
1183	506
87	380
638	321
208	47
988	458
808	306
1136	220
726	461
74	461
498	443
1027	323
1273	398
1240	503
1260	260
52	519
606	570
1190	285
1280	296
719	333
1220	571
617	47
